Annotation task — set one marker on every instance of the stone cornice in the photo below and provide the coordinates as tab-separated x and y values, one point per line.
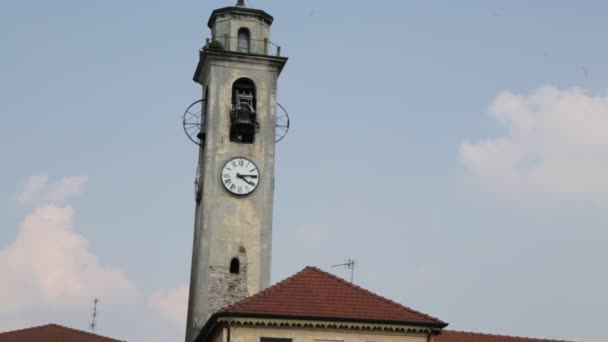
239	10
300	323
206	55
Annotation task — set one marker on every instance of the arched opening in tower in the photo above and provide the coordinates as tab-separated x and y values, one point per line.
235	266
243	124
244	40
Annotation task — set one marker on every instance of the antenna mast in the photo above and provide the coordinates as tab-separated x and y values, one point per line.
350	265
94	318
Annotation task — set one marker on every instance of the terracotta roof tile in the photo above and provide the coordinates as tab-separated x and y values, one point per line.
462	336
52	333
313	293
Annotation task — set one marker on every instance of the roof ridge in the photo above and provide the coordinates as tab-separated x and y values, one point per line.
84	332
264	292
24	329
315	270
500	335
401	306
55	325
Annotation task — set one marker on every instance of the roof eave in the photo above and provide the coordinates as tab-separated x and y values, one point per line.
213	321
267	18
439	324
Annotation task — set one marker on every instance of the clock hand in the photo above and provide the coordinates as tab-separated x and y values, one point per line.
241	176
238	175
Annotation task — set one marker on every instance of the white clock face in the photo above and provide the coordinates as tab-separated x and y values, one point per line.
240	176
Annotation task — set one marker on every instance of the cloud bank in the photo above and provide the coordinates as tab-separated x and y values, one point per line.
50	265
555	142
171	304
49	273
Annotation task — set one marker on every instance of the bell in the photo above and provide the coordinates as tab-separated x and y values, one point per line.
243	116
243	125
243	132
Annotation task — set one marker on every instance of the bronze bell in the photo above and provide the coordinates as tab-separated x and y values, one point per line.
243	125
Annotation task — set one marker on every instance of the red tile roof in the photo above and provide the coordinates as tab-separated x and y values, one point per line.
315	294
52	333
462	336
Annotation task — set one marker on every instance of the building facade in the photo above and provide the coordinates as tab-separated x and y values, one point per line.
315	306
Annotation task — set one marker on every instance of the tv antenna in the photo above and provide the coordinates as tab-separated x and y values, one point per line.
94	318
349	264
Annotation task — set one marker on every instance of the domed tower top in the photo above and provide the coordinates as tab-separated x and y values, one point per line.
242	29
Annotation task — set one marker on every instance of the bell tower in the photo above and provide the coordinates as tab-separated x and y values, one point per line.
236	130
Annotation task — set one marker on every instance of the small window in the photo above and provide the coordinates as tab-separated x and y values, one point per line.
244	40
234	266
274	339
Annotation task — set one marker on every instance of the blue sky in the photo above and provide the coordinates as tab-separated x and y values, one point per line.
457	151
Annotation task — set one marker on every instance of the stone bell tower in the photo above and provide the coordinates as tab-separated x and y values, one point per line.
238	71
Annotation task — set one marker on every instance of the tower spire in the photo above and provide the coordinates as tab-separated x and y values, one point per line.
241	3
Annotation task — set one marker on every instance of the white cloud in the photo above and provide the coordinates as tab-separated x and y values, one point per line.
32	189
37	190
49	274
171	304
556	142
50	265
66	188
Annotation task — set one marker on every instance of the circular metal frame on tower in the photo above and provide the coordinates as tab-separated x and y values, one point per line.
194	120
282	123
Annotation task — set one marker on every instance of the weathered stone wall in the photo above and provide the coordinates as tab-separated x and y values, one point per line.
226	288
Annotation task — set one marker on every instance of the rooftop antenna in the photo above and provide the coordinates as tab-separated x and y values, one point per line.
350	265
94	319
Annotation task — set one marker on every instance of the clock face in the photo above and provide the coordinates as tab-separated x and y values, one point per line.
240	176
